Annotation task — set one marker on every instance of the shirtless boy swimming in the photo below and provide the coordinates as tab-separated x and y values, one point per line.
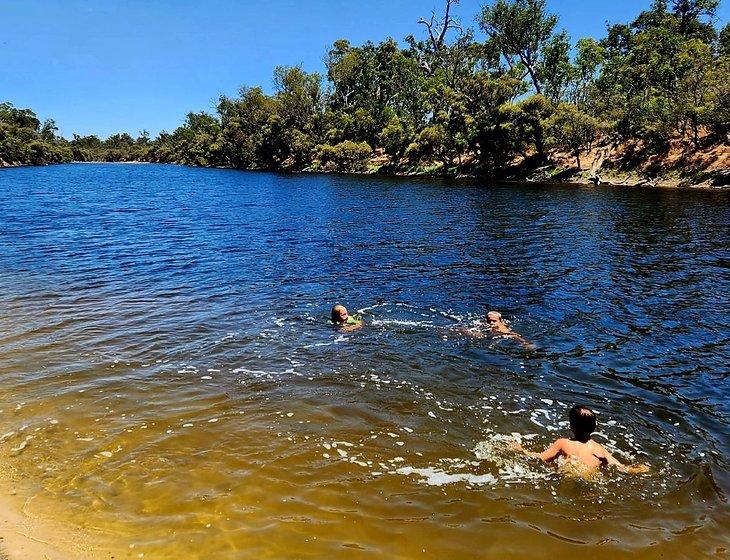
582	450
343	319
497	326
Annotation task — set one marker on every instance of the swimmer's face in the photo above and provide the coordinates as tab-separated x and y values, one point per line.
342	313
494	317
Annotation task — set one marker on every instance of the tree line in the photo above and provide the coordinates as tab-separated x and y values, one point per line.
25	140
516	89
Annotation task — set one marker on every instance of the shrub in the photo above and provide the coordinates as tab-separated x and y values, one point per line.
347	156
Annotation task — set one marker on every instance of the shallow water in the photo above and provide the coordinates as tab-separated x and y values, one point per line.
169	381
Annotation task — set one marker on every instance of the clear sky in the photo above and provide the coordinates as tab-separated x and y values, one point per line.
105	66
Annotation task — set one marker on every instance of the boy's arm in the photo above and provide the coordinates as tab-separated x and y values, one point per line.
522	340
613	462
474	333
550	454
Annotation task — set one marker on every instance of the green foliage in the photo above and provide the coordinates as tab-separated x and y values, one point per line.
24	141
432	143
345	157
656	78
717	113
556	72
572	130
588	60
723	43
527	124
243	121
394	138
523	30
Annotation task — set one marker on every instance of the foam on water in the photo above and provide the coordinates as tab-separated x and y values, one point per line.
437	477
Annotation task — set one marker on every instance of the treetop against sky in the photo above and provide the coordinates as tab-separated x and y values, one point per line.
104	67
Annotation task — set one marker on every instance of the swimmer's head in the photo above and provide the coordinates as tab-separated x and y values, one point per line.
339	314
582	421
494	316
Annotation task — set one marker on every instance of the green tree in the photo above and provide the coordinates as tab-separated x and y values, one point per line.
347	156
724	41
527	124
695	61
48	130
300	97
522	29
571	129
395	138
491	105
718	114
242	126
556	72
690	14
588	60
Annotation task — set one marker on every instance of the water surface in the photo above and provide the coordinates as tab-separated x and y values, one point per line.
170	383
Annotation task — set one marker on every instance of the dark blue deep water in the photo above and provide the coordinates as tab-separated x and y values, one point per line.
623	292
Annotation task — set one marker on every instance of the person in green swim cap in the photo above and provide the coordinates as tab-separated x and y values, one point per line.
343	319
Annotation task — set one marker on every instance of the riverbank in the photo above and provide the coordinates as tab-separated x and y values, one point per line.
627	164
559	172
555	175
606	164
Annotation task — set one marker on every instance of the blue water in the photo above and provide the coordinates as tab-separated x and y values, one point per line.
623	292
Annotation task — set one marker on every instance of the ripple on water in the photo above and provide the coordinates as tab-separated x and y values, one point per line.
170	379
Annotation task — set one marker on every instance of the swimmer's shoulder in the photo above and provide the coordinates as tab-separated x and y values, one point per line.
572	447
597	448
562	445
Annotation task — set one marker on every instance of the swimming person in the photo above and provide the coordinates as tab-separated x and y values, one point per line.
582	451
497	326
343	319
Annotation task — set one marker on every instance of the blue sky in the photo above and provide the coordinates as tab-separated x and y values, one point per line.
105	66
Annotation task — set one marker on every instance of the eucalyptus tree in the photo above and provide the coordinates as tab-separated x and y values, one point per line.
573	130
522	30
695	16
242	123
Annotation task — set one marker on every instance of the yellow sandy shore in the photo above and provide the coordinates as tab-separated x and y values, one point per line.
25	537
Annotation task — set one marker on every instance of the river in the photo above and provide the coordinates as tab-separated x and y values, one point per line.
171	386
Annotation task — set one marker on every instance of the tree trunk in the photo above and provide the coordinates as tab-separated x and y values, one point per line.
533	77
540	144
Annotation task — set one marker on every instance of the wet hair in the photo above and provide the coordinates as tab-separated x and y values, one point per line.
335	316
582	420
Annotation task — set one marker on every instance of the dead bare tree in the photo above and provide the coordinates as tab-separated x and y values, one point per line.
437	31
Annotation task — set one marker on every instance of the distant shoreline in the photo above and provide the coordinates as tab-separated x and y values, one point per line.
616	180
134	162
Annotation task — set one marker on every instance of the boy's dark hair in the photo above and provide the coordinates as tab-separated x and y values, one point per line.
334	316
582	420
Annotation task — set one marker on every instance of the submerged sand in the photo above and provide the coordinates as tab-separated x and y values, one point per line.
24	536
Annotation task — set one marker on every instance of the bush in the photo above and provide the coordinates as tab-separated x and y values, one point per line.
571	129
394	138
347	156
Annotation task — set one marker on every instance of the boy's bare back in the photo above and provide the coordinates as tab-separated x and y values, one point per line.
582	449
590	454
